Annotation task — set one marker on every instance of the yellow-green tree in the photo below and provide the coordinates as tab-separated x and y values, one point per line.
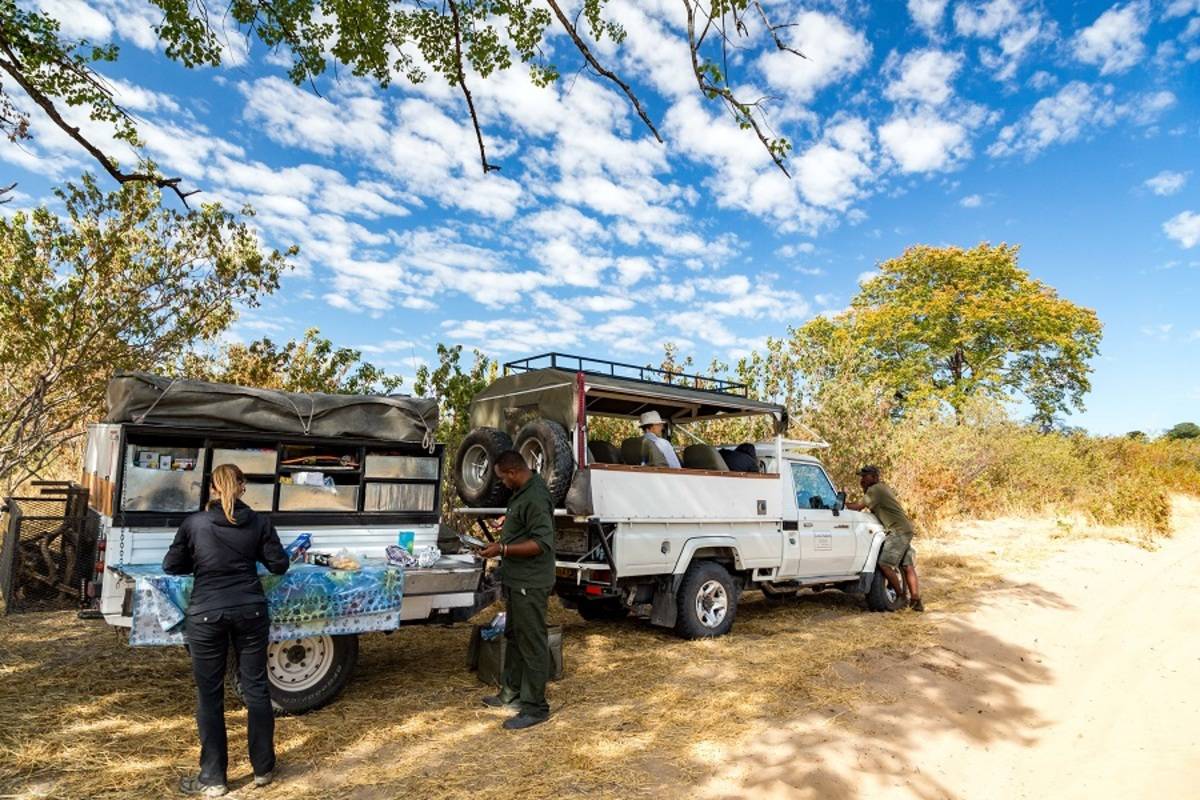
951	325
311	364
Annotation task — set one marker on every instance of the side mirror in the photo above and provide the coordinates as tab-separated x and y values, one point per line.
841	503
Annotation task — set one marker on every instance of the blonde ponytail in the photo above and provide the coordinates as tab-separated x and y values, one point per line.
228	484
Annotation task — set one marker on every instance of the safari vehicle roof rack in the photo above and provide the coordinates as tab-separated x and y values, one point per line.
630	372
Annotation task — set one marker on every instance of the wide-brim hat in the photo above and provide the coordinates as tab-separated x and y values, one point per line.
650	418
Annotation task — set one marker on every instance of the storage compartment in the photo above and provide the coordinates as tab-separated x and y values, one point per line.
251	462
413	467
400	497
318	498
162	478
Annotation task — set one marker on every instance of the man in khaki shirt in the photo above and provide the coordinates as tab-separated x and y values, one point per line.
897	553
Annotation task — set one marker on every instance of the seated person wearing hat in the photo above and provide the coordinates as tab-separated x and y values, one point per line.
652	429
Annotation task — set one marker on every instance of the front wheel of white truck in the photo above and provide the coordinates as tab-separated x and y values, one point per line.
305	674
707	601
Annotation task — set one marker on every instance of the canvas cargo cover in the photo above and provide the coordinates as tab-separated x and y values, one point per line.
141	398
512	400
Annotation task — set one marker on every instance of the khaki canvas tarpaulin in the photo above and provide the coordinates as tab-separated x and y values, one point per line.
141	398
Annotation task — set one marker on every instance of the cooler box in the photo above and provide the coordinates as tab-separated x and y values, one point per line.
488	657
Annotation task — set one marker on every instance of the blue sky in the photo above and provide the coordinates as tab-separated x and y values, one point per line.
1071	128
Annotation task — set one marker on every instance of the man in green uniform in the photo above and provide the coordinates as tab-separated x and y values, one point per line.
896	553
526	550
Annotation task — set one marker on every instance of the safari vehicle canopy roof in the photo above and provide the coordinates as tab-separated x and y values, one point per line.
546	386
154	400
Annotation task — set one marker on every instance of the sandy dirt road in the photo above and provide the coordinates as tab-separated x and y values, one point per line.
1076	677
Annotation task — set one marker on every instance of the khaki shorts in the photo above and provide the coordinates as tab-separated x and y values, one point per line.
897	551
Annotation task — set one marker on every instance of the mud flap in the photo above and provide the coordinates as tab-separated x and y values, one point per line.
665	610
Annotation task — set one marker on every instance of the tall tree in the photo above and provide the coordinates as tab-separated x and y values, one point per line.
311	364
953	324
385	41
116	283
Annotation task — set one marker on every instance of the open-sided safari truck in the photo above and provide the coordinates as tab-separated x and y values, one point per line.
676	546
356	473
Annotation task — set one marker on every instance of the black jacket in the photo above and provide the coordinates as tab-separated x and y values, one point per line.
223	557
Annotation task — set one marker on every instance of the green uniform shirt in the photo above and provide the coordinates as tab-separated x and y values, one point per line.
882	502
530	516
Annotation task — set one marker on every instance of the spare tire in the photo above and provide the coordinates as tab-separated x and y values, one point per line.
547	450
474	468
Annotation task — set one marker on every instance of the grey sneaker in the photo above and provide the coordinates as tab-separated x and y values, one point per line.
192	785
264	780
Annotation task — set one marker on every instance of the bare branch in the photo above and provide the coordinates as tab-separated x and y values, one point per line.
774	31
591	59
741	111
12	66
5	191
462	82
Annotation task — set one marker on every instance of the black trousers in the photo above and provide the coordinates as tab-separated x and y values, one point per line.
209	635
527	654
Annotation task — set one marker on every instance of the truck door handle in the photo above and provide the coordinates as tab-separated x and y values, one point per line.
842	526
808	524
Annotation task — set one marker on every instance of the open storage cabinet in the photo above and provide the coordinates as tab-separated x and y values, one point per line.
165	474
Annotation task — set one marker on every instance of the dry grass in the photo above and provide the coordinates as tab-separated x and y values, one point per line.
639	713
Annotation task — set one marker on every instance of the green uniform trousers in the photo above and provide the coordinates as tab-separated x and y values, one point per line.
527	651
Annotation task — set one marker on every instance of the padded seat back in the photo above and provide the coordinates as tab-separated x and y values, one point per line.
702	456
631	451
604	452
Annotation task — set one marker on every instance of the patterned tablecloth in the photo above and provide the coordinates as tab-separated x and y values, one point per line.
306	601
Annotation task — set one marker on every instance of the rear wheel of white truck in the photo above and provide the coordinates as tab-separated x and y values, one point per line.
305	674
881	596
707	601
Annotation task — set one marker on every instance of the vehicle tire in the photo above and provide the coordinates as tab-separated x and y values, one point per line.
474	475
547	450
881	597
305	674
610	609
707	601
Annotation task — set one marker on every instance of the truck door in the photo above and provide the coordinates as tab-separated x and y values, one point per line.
827	543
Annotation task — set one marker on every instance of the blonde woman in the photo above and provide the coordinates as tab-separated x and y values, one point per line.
221	547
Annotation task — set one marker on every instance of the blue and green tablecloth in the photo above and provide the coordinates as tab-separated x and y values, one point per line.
306	601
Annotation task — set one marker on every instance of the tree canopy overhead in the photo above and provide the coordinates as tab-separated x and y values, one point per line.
458	41
953	324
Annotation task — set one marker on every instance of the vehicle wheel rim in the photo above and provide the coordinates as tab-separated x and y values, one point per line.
889	592
299	664
712	604
534	455
476	467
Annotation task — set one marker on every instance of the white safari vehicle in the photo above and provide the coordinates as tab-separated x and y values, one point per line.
676	546
380	478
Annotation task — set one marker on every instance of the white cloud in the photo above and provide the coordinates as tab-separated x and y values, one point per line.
1062	117
1074	111
832	172
1114	40
834	51
924	76
1016	25
1181	8
78	20
1161	331
927	13
1166	183
925	142
971	201
1184	228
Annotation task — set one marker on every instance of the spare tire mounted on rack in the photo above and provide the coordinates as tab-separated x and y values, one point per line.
547	450
474	468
